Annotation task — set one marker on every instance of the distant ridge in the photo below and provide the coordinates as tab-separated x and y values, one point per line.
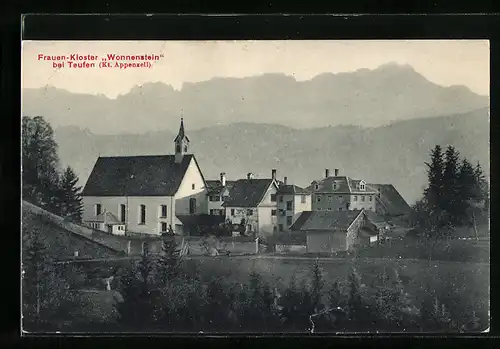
369	98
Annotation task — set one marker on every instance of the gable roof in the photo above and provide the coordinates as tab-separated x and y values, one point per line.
325	220
392	201
152	175
215	186
105	217
344	185
292	189
248	192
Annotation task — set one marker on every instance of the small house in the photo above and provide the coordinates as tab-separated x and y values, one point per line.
107	222
335	231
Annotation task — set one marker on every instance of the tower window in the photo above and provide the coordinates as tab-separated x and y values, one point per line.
177	148
185	149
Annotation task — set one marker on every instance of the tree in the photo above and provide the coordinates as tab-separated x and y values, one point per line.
71	198
466	188
44	292
317	284
433	193
169	261
451	189
40	164
358	310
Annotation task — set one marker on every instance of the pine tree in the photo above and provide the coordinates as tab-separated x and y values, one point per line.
451	198
40	164
44	292
481	191
358	310
169	261
317	286
466	188
71	198
433	193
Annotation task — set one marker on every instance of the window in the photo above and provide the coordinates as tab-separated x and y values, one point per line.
211	212
355	198
232	212
370	198
329	208
192	205
122	213
362	186
330	198
303	199
249	212
281	198
280	227
221	212
273	197
185	149
334	186
216	198
142	214
318	198
164	227
177	148
289	221
98	209
289	205
273	212
193	186
340	208
362	198
340	197
316	186
282	212
163	211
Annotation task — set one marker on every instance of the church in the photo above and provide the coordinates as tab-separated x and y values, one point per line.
145	194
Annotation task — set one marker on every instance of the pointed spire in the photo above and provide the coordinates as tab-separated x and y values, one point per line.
182	133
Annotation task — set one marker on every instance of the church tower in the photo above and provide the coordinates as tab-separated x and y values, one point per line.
181	143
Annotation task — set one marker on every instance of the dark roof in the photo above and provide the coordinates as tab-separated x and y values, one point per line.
325	220
292	189
154	175
247	192
343	184
392	201
215	186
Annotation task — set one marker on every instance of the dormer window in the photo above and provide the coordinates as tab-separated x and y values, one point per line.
316	186
362	185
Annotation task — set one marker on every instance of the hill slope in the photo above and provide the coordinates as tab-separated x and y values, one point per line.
389	154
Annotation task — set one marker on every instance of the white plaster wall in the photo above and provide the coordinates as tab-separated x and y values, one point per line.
132	204
186	191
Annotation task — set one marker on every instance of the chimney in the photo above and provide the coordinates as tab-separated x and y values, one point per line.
327	172
336	172
249	175
223	179
273	173
284	180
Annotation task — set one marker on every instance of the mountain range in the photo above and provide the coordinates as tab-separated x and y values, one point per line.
367	98
394	153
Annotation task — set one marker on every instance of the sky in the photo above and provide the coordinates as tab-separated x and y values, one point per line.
444	62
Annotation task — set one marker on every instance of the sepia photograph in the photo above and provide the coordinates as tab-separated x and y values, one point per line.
291	186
